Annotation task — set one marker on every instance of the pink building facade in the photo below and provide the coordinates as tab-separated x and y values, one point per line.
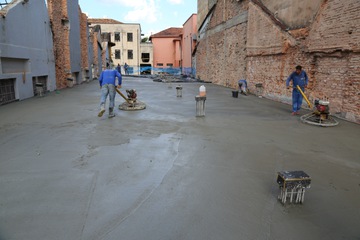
167	51
189	39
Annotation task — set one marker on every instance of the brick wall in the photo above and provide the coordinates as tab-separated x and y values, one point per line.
57	12
221	55
328	49
336	27
97	62
84	41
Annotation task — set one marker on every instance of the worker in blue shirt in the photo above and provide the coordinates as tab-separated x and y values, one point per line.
298	78
108	84
243	86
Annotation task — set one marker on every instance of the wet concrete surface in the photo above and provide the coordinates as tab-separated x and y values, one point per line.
163	173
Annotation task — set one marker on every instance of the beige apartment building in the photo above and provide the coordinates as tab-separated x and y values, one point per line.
127	47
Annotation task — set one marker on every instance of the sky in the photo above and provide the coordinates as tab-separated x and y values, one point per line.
153	15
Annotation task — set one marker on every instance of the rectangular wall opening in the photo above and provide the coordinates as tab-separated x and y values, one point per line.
7	91
39	82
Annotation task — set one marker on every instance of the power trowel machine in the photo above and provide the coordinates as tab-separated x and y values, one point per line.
321	113
131	101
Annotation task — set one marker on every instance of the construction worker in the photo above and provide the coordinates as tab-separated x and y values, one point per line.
298	78
108	84
243	86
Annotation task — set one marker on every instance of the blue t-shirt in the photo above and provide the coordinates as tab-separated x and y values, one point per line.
108	76
298	79
243	81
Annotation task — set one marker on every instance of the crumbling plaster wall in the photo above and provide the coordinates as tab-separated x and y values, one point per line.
327	48
294	13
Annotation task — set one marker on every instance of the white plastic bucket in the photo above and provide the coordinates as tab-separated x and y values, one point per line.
202	91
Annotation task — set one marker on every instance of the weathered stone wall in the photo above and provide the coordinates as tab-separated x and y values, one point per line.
328	49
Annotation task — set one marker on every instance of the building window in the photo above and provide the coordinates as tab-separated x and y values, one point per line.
159	64
7	91
129	37
117	37
130	54
145	57
117	54
169	64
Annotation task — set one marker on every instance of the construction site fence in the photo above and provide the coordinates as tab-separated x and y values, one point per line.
159	71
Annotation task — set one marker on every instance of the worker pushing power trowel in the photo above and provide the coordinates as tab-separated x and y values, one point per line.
109	87
321	114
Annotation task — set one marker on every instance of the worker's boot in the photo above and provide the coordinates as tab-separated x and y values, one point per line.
102	110
111	112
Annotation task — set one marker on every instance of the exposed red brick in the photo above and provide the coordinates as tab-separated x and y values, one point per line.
84	40
58	14
328	49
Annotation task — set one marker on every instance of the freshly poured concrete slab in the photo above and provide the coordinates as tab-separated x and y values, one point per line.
44	205
163	173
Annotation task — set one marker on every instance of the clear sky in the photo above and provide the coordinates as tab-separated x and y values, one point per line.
153	15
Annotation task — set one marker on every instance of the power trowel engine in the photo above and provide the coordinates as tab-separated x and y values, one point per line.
322	109
131	93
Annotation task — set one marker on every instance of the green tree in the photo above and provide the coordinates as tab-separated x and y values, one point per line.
145	39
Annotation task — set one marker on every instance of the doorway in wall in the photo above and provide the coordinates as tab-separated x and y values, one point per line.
40	81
